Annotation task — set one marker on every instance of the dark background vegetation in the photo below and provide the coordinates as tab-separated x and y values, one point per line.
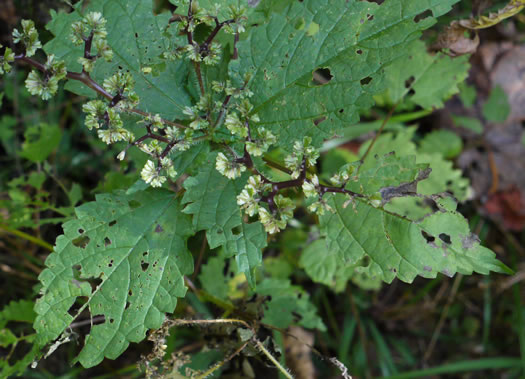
399	328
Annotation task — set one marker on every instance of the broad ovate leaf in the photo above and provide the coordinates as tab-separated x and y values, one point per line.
392	246
352	41
124	258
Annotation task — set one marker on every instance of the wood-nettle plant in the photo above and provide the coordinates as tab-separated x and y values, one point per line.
222	97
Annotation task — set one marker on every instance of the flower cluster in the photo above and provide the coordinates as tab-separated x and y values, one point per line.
93	27
210	56
303	151
122	85
230	169
311	189
346	173
198	122
8	57
250	197
273	223
46	85
261	144
151	174
28	36
99	113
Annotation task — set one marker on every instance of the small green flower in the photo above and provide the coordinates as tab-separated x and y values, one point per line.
43	87
214	55
235	125
193	53
92	23
199	123
270	223
247	201
345	174
310	188
119	83
56	68
218	86
302	150
113	135
95	109
285	206
320	207
28	36
8	57
87	64
231	170
151	175
103	50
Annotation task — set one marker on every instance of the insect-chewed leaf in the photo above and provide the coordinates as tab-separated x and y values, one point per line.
351	41
137	39
397	247
135	247
288	304
417	81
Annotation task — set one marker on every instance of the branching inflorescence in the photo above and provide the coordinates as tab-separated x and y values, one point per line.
164	137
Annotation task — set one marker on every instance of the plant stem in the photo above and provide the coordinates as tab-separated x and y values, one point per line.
28	237
272	359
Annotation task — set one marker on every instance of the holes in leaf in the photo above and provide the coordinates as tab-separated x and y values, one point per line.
80	231
317	121
366	81
370	17
430	239
341	111
445	238
297	316
136	35
321	76
111	223
107	242
359	52
133	204
130	292
81	242
423	15
127	305
144	254
110	264
408	85
144	265
158	229
237	230
111	320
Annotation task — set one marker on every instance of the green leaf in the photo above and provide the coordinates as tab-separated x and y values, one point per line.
396	247
20	311
134	246
497	107
137	38
288	305
213	278
471	123
212	200
443	176
356	40
415	77
386	171
444	142
40	141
